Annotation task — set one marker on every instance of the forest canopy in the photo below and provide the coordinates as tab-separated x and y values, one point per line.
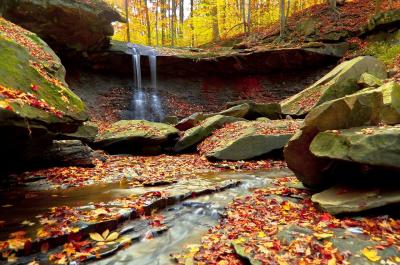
197	22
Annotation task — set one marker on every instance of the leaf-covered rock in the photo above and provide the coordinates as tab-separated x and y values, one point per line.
197	134
244	140
129	136
339	82
35	101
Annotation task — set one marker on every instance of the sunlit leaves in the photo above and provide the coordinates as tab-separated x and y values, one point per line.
371	254
105	237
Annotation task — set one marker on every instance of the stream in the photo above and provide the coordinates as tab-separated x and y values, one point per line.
186	221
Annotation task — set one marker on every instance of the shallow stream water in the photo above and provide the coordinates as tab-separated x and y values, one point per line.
186	222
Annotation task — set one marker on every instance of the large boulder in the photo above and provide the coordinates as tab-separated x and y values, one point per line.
368	107
377	146
339	82
66	25
130	136
248	139
360	109
345	199
35	102
197	134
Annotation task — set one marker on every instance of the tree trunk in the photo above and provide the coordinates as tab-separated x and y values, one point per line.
332	4
156	26
128	34
287	11
191	22
146	12
249	16
163	18
282	19
215	25
173	16
243	9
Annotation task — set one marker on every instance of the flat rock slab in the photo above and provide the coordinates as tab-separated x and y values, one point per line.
244	140
132	135
343	199
197	134
339	82
378	146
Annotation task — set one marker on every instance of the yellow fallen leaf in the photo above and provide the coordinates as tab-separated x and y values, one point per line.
112	237
261	234
323	235
239	240
104	237
371	254
332	261
105	233
96	237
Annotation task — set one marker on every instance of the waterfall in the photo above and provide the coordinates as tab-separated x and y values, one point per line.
145	103
153	69
137	71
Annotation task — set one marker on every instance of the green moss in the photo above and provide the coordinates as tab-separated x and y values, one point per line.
386	52
16	73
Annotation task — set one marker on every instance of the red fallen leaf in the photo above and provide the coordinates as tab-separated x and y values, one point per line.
9	108
34	87
44	248
325	217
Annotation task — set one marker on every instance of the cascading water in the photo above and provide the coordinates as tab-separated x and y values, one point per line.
146	101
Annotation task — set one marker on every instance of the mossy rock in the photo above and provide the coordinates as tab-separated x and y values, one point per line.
35	102
339	82
248	139
87	133
130	136
195	135
368	80
390	112
250	110
382	20
360	109
378	146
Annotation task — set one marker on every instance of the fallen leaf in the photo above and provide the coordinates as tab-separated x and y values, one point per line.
371	254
